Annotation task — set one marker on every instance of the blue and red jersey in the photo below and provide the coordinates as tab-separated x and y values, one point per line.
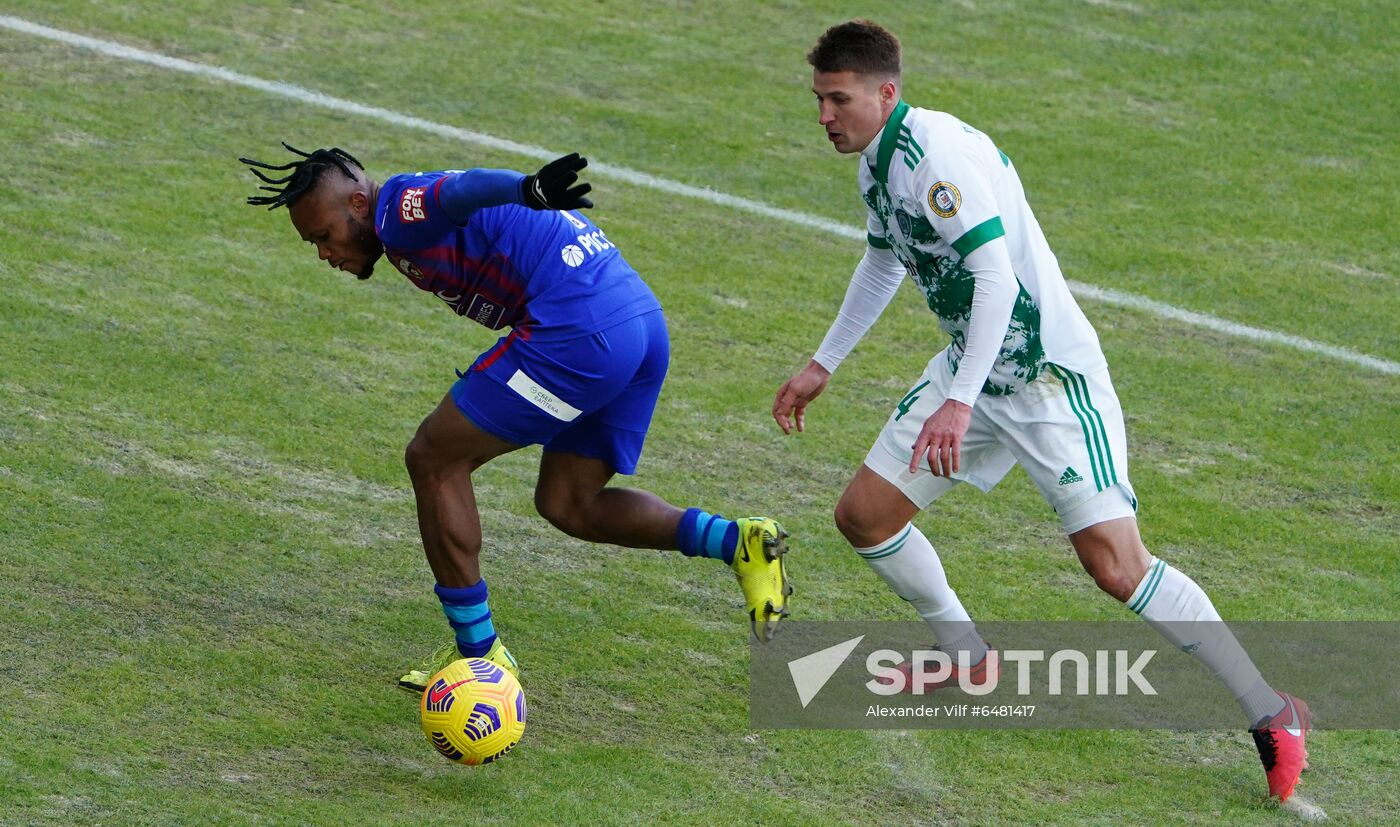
547	274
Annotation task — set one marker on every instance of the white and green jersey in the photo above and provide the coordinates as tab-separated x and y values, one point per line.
937	190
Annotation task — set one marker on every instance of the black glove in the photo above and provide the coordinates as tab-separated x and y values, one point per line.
552	187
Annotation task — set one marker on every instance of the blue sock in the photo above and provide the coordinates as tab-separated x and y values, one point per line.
707	535
470	617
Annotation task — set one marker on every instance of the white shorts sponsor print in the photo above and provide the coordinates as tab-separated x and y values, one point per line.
1065	429
542	398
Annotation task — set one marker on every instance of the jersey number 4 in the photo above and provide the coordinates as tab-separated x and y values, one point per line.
909	399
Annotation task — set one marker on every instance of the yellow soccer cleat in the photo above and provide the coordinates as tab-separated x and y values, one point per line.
417	680
502	657
758	563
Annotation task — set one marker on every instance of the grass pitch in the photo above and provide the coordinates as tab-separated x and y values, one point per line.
209	567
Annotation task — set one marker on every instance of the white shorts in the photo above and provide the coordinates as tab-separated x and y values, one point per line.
1065	429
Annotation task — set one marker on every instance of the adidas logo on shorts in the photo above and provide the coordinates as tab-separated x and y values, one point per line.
1069	477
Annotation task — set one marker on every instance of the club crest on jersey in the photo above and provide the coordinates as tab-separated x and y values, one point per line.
409	269
906	225
944	199
411	205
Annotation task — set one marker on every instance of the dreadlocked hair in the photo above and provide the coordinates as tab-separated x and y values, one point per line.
302	174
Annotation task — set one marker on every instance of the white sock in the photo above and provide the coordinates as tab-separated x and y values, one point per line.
908	563
1179	610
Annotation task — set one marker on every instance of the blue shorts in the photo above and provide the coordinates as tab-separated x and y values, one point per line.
592	396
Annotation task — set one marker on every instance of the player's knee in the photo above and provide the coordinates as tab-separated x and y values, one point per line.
418	458
428	459
1112	579
562	512
1113	555
860	528
1118	586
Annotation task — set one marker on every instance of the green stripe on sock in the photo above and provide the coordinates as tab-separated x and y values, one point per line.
1146	587
886	549
889	553
1154	577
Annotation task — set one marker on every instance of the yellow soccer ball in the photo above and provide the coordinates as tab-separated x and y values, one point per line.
473	711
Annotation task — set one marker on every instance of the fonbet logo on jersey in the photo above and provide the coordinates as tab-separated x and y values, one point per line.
588	243
411	205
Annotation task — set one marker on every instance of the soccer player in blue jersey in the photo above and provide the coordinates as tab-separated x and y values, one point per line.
579	372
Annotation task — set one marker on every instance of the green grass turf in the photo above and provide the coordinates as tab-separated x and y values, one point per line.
209	568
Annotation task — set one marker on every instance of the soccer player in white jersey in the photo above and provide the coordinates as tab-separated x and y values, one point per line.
1023	380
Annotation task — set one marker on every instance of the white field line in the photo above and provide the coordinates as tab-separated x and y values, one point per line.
642	179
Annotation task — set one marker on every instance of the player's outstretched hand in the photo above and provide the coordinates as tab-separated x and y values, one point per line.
552	188
790	405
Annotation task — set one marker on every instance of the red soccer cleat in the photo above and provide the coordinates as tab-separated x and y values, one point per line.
987	669
1280	740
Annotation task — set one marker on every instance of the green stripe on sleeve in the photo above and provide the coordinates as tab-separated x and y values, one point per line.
979	235
877	242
